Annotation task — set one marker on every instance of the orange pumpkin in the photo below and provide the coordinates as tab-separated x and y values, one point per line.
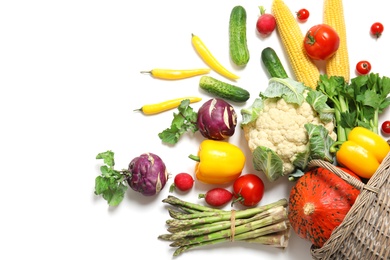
318	203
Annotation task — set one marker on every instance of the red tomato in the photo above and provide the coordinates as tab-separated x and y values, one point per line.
386	127
363	67
248	189
302	15
377	29
321	42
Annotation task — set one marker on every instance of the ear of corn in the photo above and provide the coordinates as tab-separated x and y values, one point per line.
304	68
338	64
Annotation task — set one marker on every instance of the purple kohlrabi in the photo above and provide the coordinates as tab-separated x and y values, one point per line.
148	174
217	119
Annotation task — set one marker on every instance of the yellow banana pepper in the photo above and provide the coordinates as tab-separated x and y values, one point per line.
363	152
218	162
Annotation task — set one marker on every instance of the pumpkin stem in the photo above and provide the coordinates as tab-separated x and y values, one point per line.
308	208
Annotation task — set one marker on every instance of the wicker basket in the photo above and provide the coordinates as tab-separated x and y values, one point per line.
365	232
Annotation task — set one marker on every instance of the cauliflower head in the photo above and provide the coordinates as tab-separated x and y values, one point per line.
288	125
280	127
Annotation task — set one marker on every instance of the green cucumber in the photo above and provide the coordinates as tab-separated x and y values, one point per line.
272	63
238	47
223	90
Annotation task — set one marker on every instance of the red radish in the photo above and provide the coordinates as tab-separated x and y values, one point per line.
217	197
183	181
266	22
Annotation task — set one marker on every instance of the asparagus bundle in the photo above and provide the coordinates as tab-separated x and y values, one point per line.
194	225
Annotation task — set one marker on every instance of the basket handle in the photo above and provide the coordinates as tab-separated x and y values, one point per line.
343	175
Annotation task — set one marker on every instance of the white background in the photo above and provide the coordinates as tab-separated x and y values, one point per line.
70	80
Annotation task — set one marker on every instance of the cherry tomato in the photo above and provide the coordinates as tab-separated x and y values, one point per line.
321	42
302	15
386	127
363	67
377	29
248	189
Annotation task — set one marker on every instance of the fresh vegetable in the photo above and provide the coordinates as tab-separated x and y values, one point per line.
318	203
146	174
183	121
321	42
223	90
286	126
218	162
266	22
182	181
209	58
192	225
363	152
385	127
338	64
358	103
238	46
248	190
272	63
303	14
363	67
151	109
217	119
376	29
305	70
176	74
216	197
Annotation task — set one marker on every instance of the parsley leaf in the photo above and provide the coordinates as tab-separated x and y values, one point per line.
182	122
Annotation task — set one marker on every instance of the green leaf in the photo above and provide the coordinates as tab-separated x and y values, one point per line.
182	122
111	183
318	102
267	161
115	194
288	89
108	158
251	113
320	142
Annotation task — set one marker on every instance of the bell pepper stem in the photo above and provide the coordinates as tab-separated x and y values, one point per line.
194	157
335	146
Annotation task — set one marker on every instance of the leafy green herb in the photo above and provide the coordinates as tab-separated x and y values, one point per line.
184	121
111	183
358	103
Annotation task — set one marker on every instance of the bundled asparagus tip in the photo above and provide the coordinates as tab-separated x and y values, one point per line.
193	225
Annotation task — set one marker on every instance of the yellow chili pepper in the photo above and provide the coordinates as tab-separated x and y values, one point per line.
219	162
363	152
209	58
151	109
176	74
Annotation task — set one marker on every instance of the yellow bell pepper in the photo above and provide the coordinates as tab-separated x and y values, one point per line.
218	162
363	152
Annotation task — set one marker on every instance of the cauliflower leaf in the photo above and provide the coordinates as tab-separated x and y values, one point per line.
267	161
288	89
251	113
